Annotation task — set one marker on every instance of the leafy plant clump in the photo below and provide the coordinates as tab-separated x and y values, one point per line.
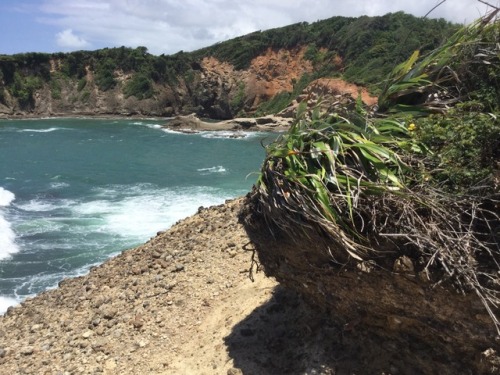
377	185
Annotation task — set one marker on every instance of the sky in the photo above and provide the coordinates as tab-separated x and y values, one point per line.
169	26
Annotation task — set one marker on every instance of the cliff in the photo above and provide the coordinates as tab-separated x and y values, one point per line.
214	89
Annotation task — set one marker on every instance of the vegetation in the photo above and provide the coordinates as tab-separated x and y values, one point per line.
367	47
370	46
283	99
140	86
402	182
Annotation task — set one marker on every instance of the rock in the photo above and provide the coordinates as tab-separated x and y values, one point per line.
141	343
403	265
178	268
109	312
36	327
87	334
137	322
27	350
110	365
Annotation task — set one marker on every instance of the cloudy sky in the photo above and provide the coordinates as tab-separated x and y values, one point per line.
168	26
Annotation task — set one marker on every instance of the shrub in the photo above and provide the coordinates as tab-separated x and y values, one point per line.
140	86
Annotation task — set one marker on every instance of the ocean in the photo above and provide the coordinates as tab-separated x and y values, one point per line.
74	192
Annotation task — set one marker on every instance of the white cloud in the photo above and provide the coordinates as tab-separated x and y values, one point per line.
167	26
68	40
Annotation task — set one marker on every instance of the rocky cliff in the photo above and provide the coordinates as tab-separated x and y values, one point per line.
212	89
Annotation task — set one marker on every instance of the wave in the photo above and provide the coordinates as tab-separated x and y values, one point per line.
8	245
6	197
139	211
151	126
59	185
154	126
44	205
230	134
39	130
170	131
217	169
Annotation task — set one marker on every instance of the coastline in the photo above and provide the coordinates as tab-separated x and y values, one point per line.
191	300
183	123
119	318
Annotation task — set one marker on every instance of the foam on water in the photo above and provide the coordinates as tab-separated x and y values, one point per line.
49	130
139	211
154	126
6	302
225	134
6	197
8	245
170	131
37	205
151	126
217	169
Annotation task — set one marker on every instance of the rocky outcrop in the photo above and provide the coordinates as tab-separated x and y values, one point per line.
192	124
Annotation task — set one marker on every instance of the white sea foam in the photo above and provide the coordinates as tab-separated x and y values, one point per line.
37	205
59	185
232	134
151	126
6	197
170	131
6	302
40	130
217	169
7	236
154	126
142	210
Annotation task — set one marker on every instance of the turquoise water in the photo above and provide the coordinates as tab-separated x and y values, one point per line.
74	192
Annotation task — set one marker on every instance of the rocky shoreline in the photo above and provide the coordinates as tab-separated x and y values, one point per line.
139	312
189	301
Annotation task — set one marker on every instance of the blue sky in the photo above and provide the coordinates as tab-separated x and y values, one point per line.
168	26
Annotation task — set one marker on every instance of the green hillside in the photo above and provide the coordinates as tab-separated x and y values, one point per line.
368	46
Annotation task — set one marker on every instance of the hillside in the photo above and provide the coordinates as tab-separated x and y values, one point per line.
258	73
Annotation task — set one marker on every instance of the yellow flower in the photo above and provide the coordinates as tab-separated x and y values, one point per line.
412	127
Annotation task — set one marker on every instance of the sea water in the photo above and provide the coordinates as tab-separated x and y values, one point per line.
74	192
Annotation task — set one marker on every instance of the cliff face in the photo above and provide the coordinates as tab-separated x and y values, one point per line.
212	89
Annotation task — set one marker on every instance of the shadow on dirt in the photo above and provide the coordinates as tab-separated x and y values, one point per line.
287	336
